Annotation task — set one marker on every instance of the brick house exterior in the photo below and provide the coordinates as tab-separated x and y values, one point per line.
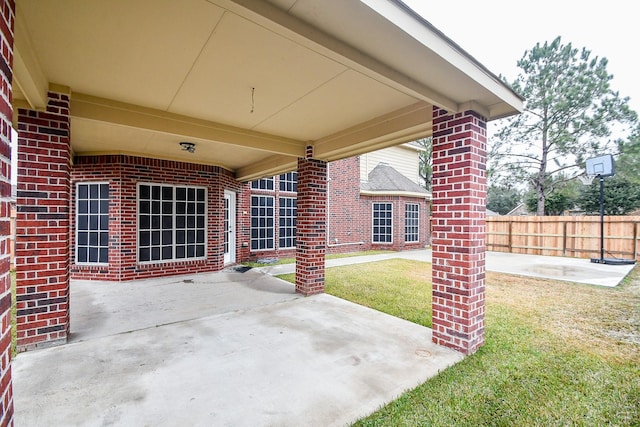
77	91
123	230
350	208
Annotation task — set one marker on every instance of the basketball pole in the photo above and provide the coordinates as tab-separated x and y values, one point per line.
601	218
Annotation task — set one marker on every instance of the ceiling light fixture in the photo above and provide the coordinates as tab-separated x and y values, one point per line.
188	146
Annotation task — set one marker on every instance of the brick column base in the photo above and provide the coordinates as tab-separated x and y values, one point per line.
311	226
459	209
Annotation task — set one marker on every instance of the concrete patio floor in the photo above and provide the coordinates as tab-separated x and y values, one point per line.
223	349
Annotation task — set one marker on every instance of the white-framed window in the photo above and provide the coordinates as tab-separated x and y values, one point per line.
262	223
287	221
262	184
92	223
382	223
172	222
411	222
289	182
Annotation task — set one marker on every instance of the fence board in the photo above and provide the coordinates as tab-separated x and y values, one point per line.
573	236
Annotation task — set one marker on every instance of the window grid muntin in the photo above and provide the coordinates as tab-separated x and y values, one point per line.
262	223
92	223
412	222
172	223
382	223
289	182
263	184
288	210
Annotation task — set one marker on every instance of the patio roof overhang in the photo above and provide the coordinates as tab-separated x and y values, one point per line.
251	83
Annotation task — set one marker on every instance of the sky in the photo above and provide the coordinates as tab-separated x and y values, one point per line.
498	32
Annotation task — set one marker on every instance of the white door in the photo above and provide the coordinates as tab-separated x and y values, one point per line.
229	227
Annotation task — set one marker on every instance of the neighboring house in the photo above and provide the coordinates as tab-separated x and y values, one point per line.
521	209
374	202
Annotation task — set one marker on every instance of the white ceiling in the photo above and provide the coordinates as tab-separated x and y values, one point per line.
251	83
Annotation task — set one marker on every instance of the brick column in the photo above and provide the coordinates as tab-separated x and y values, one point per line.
459	209
7	15
42	224
311	225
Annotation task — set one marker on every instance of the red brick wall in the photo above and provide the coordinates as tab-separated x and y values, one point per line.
459	200
312	222
42	224
349	225
350	213
399	205
6	114
123	174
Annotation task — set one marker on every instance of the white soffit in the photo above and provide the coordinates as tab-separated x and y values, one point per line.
273	76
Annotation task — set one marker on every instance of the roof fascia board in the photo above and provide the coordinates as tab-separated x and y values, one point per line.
424	32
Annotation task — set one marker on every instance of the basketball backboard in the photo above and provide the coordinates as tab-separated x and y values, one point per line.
600	166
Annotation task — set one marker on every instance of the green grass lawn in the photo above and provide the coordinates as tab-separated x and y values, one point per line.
556	353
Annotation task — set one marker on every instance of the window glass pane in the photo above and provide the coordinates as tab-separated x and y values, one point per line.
83	238
83	222
145	192
181	193
83	191
382	216
104	222
167	238
167	193
144	254
92	218
287	222
181	252
167	252
145	222
145	238
104	255
93	254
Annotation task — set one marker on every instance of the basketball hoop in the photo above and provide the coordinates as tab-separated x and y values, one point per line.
586	179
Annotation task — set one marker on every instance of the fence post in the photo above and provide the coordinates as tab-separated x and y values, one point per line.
635	240
564	238
510	241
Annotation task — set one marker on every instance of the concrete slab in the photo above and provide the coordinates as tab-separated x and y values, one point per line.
262	356
556	268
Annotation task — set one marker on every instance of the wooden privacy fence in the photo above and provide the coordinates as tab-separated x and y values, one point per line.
571	236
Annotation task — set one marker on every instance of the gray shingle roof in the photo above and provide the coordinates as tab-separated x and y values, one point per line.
385	178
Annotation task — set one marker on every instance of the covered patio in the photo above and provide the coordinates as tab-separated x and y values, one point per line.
225	348
140	124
